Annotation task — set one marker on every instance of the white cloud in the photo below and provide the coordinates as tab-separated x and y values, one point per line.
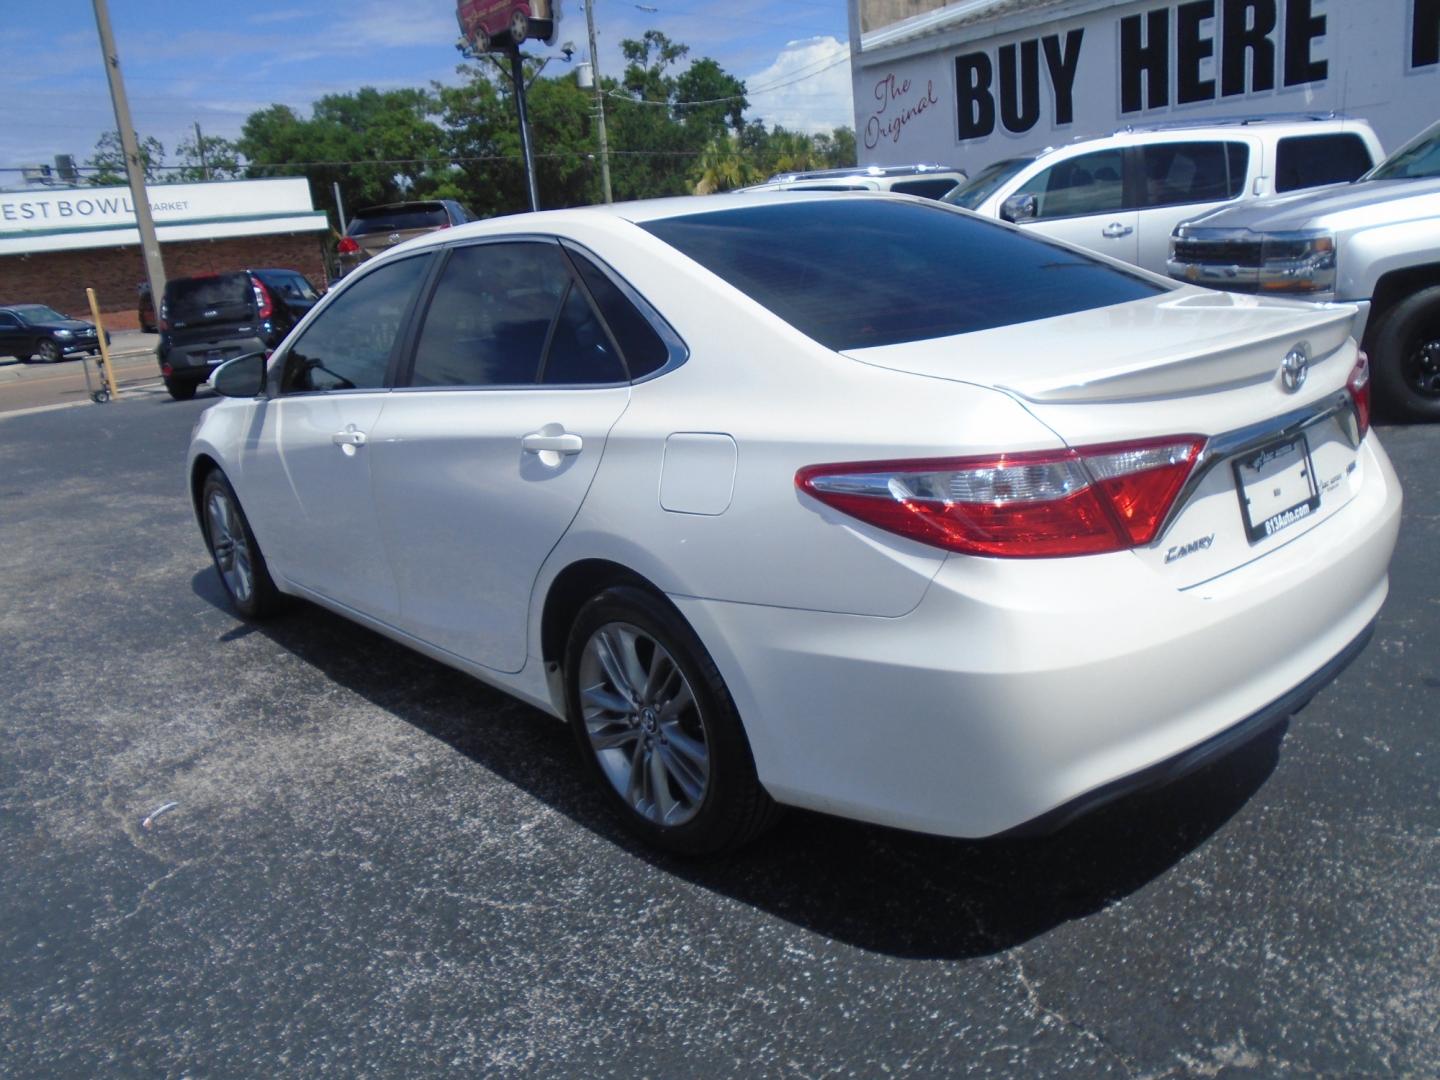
810	87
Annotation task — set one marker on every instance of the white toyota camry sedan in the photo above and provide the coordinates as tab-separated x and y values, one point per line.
857	503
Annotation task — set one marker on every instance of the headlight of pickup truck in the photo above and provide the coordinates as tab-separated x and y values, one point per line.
1298	263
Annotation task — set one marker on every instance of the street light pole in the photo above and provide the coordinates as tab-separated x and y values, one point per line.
599	103
134	167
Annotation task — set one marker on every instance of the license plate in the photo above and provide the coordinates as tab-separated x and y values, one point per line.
1277	488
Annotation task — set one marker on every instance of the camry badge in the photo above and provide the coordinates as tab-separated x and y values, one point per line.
1295	367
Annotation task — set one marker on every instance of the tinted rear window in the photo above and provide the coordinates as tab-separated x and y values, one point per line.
398	218
931	188
857	273
1303	161
192	296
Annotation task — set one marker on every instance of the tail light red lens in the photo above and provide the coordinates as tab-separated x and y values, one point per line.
347	246
264	306
1359	386
1042	504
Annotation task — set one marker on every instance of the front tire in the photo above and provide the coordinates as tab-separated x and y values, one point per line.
1406	357
49	351
519	28
657	728
237	556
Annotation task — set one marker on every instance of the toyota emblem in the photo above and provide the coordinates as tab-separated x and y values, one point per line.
1295	367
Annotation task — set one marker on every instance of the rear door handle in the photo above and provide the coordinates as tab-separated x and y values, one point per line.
1115	229
557	442
349	437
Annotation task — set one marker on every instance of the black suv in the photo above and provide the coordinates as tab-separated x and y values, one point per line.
28	330
209	319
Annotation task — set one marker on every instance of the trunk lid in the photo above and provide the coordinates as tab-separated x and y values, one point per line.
1279	460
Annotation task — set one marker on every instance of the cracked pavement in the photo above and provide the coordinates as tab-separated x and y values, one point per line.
378	866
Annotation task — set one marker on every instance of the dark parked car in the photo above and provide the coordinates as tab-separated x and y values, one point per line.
209	319
379	228
28	330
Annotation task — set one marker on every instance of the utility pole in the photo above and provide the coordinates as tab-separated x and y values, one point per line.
517	75
599	103
134	167
200	149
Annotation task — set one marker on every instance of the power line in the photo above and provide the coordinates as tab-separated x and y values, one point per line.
621	95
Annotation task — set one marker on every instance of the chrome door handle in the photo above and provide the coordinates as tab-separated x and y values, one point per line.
556	442
348	438
1115	229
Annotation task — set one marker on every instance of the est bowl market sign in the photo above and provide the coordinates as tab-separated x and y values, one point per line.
63	219
1020	82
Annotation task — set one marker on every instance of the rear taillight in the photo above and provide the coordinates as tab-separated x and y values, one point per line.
164	315
1359	386
347	246
1019	506
264	306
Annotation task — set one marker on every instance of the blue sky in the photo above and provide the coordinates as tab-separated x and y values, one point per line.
217	62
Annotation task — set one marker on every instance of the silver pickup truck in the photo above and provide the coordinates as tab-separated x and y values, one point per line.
1374	243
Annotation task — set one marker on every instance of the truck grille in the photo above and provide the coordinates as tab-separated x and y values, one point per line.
1217	252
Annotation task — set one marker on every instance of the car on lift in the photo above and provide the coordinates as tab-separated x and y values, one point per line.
487	23
28	330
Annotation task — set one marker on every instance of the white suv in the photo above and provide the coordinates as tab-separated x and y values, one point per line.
1123	194
927	180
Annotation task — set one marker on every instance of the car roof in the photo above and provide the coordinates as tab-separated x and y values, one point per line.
638	212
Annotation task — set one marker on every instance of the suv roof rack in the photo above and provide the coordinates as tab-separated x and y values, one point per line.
918	169
1231	121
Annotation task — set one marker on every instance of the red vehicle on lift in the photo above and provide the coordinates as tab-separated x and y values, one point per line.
485	23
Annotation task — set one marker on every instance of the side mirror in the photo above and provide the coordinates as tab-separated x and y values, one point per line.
242	377
1018	208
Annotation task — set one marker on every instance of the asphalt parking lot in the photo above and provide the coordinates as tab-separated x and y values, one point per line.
376	866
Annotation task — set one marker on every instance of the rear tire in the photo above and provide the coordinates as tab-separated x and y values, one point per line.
657	728
1405	353
180	391
519	28
237	556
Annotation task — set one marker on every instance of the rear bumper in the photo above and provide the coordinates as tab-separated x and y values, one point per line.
1022	690
193	362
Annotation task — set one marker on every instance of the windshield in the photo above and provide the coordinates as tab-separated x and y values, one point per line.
38	313
398	218
1418	158
976	190
853	273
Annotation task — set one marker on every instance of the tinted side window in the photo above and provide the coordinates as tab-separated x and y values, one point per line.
640	344
579	350
1088	184
857	273
491	315
348	345
1190	172
8	320
1303	161
929	189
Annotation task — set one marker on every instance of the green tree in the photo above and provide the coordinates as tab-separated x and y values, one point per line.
380	146
108	160
208	157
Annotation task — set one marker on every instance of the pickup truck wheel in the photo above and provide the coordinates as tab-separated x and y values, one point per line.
1406	355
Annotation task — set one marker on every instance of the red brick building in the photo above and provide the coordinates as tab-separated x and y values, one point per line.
56	242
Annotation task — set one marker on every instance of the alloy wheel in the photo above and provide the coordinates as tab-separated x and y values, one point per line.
230	546
644	724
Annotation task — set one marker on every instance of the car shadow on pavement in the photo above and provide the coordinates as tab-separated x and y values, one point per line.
884	890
